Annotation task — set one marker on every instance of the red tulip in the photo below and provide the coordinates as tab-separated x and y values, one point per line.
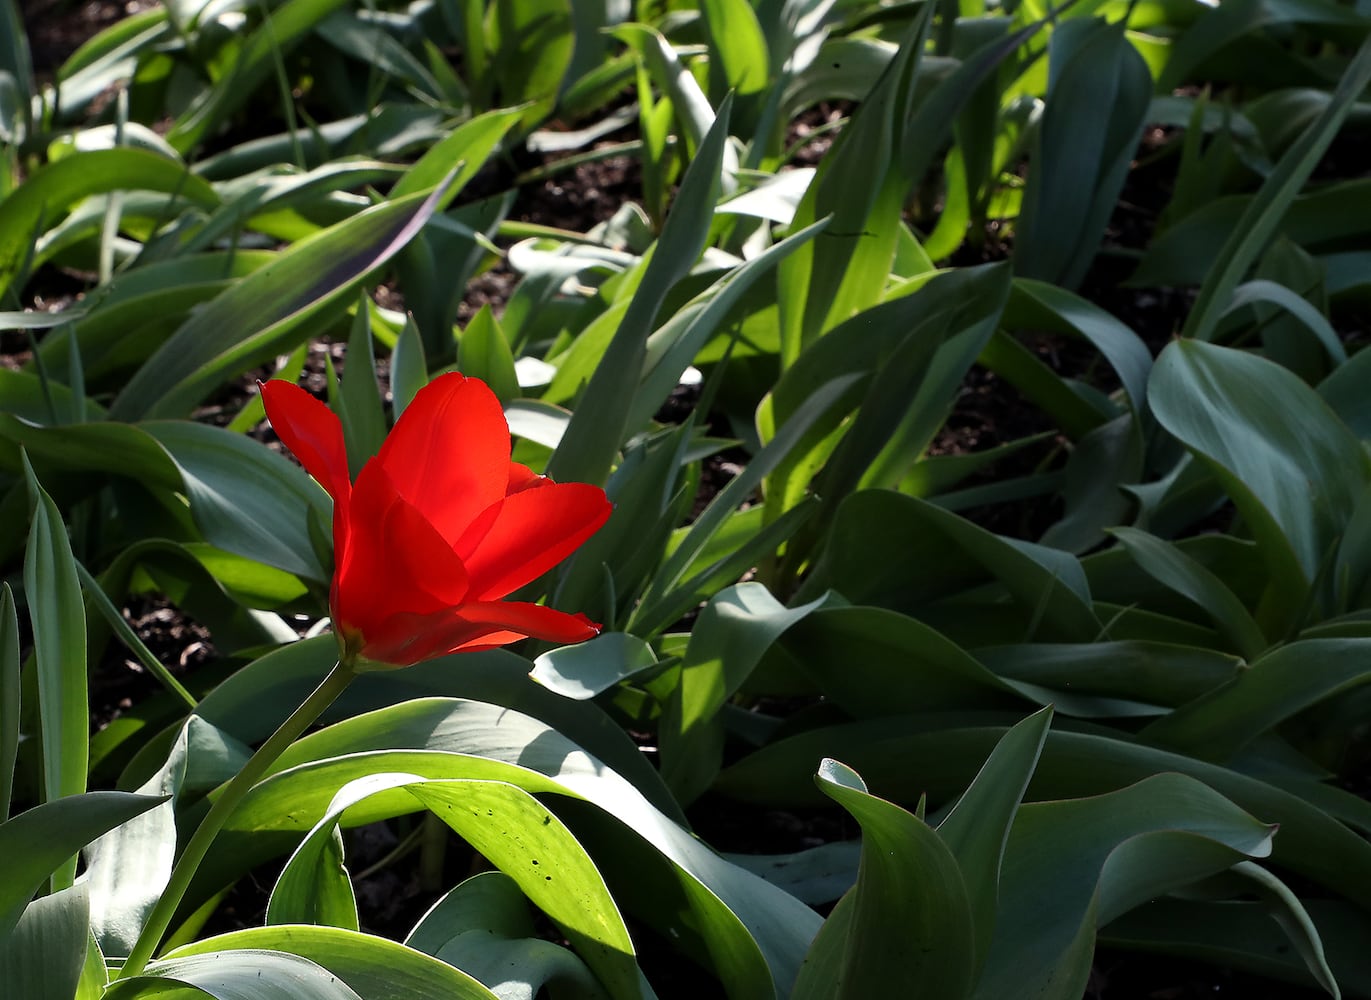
439	526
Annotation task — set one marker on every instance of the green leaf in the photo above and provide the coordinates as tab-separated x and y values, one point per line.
245	498
242	974
264	312
314	887
483	927
595	433
906	927
484	353
128	868
9	697
359	398
1073	865
1097	100
43	957
408	367
738	59
27	212
977	829
521	837
530	45
1274	689
1261	218
591	668
58	616
1294	471
861	183
908	756
924	553
755	934
256	58
1188	577
376	968
733	631
40	841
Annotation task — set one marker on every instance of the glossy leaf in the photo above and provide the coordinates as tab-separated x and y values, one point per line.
907	925
377	969
58	617
1294	470
40	840
265	310
9	697
729	637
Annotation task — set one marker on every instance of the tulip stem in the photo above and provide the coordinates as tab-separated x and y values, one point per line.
238	786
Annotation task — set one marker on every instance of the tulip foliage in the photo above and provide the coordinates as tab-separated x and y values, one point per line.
822	500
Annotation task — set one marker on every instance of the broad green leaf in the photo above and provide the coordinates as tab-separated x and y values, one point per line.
908	756
39	841
408	367
924	553
1178	571
733	631
245	498
530	46
591	668
27	212
9	697
265	310
1040	306
755	934
596	432
1273	689
58	616
257	57
97	446
1073	865
484	353
872	662
738	52
1260	220
907	926
242	974
128	868
258	697
376	968
1244	935
1097	100
358	398
314	887
483	928
43	957
861	184
978	827
1294	471
1147	671
1261	291
521	837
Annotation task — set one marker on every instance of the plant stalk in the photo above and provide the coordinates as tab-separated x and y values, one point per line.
160	919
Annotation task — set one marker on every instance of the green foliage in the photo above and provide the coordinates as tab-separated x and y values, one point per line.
1053	635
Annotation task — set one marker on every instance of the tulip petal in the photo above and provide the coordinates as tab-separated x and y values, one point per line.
396	562
407	638
534	531
312	432
448	454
